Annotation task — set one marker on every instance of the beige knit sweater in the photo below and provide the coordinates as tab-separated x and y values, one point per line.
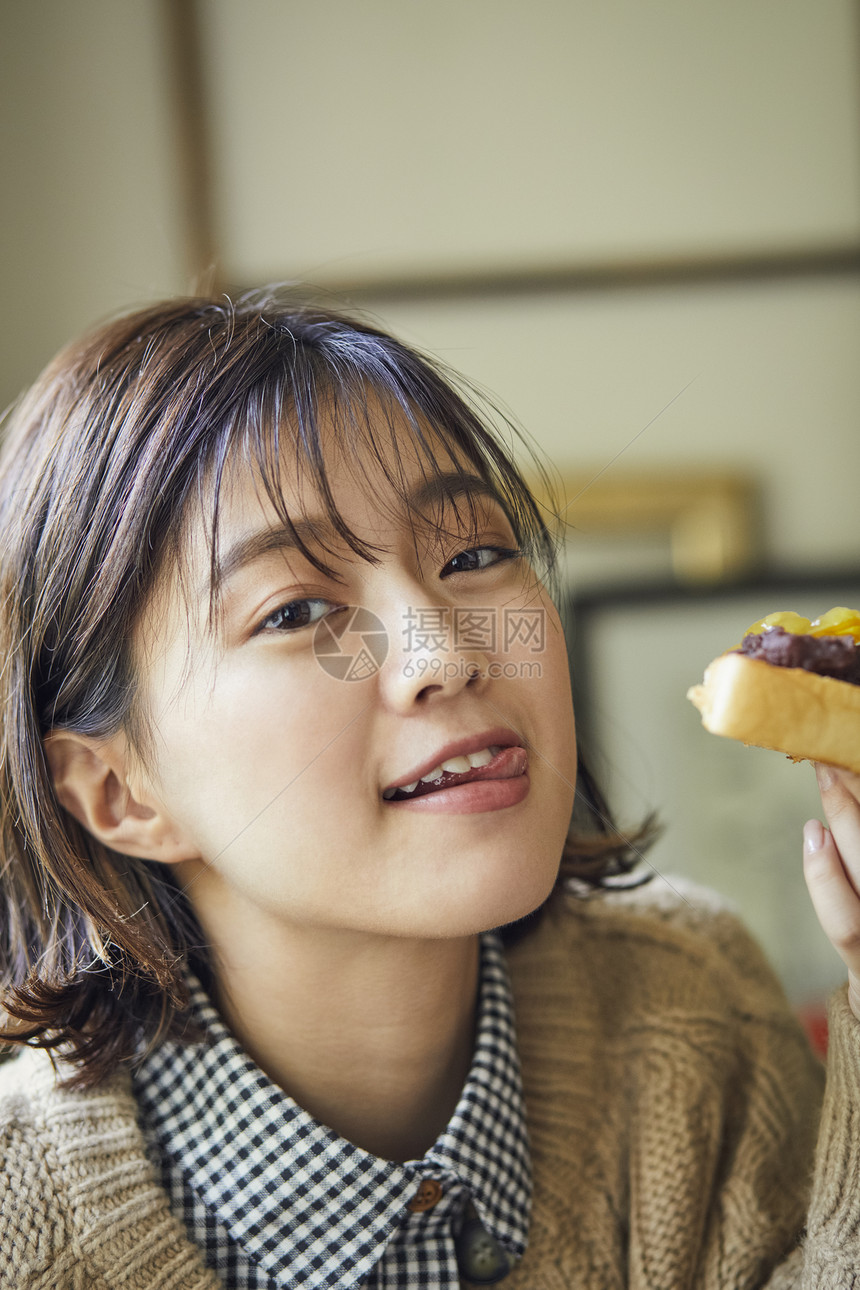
673	1107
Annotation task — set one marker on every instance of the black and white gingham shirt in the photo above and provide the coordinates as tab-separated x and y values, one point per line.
276	1199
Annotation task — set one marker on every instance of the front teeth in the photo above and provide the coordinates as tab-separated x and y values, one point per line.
454	766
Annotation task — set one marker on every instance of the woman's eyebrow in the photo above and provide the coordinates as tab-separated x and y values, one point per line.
312	529
456	484
279	537
449	486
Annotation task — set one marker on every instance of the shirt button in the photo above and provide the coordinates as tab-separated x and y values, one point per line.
480	1258
427	1195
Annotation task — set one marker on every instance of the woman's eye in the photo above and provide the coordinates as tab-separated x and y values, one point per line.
296	614
479	557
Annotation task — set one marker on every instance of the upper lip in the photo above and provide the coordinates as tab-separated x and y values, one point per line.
500	735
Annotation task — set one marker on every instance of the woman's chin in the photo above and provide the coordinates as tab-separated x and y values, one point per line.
504	897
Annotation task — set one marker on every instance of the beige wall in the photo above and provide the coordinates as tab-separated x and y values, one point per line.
374	137
91	218
353	142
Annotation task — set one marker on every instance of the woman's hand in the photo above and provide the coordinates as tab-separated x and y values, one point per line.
831	866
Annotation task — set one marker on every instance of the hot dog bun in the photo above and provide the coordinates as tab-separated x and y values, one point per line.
793	711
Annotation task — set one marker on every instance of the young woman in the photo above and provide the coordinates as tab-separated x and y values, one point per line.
307	939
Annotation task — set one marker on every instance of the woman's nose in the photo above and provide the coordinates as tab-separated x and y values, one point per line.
426	659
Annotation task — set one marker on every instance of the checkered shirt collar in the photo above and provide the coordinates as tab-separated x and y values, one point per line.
307	1207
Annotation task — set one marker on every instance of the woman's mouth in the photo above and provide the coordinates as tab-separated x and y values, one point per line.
493	763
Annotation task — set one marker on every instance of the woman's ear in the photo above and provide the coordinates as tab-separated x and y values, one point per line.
90	780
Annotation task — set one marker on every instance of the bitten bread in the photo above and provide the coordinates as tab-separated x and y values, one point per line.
791	709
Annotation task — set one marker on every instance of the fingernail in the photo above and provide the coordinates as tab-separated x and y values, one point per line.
813	835
826	778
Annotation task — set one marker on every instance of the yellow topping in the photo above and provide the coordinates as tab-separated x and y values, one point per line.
836	622
785	618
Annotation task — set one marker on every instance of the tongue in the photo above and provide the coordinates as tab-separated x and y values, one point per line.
507	764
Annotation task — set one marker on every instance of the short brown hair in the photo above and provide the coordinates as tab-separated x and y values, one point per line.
100	462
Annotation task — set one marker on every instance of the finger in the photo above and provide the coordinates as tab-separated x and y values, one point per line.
840	798
833	894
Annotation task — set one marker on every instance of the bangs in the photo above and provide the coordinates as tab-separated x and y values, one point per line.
384	412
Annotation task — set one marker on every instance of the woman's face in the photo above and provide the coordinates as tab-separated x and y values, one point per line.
277	757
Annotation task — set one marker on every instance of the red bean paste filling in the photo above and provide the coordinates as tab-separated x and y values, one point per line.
836	656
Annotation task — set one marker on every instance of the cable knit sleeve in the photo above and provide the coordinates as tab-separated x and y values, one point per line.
826	1255
32	1222
674	1106
831	1250
80	1207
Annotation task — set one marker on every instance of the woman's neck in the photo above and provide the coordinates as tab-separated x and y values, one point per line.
373	1036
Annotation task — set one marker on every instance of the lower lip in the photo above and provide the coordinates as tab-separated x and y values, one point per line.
469	799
